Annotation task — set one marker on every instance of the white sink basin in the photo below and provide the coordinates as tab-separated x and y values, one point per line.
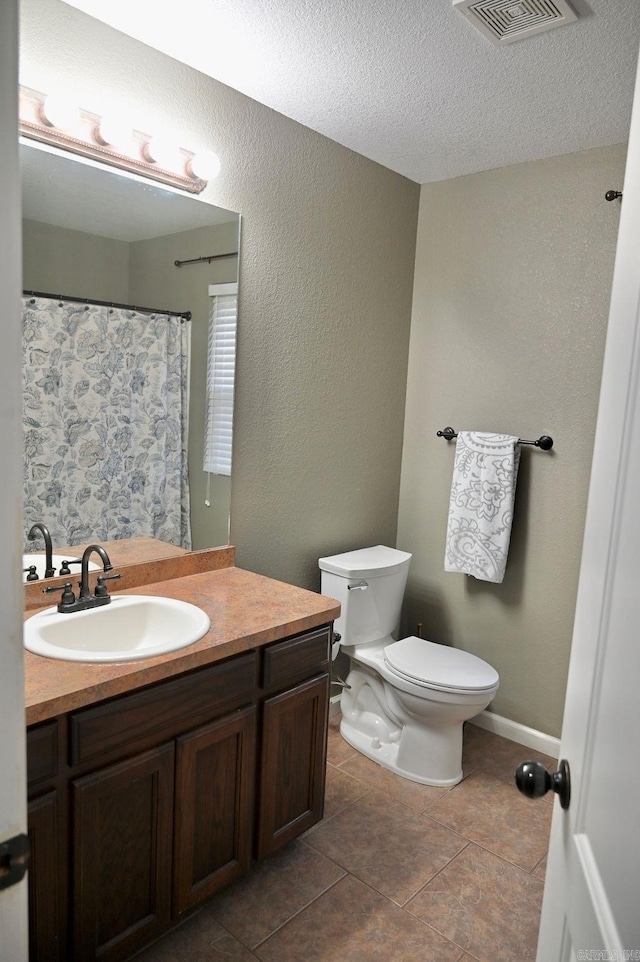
130	627
40	561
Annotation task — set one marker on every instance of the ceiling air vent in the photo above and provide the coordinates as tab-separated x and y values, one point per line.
504	21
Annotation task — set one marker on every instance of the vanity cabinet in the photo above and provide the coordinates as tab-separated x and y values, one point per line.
122	828
190	803
294	739
215	768
47	821
144	805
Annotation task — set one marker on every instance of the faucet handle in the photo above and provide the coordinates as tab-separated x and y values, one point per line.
68	597
64	567
101	588
31	573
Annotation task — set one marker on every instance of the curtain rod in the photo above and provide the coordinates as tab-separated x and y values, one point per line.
208	258
185	315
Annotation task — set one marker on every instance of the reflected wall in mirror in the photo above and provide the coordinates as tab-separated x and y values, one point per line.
90	232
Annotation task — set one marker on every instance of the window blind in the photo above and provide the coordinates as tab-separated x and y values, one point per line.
221	366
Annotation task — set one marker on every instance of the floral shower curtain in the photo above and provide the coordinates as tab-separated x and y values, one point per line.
105	410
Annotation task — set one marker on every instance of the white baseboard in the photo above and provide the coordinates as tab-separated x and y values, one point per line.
334	705
515	732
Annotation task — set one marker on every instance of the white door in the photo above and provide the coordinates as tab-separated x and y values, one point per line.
591	907
13	900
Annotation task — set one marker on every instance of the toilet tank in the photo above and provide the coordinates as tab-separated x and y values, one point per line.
373	613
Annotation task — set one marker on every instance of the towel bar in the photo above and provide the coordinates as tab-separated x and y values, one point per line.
544	442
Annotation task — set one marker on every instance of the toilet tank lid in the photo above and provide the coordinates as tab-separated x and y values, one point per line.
366	562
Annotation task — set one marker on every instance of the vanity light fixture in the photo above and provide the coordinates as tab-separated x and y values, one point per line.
56	121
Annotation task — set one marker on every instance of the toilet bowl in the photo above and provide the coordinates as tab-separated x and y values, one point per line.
405	702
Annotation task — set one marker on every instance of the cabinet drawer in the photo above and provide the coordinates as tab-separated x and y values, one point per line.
145	717
42	751
288	662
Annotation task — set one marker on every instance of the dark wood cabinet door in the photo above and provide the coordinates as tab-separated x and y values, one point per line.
123	822
47	880
292	772
215	770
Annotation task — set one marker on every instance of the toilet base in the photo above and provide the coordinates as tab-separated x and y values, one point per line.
386	753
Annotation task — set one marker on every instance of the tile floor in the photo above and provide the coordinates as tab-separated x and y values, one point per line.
396	871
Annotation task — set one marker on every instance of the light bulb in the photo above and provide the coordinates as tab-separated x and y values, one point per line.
162	152
205	165
60	111
114	130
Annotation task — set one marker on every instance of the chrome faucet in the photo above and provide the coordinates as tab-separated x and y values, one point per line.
86	599
48	546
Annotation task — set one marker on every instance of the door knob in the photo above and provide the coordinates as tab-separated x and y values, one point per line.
534	781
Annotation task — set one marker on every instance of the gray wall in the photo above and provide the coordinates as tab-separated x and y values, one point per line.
512	283
156	280
56	260
328	248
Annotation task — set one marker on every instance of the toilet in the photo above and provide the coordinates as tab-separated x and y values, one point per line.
405	702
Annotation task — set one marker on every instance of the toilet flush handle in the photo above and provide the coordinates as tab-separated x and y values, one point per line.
360	586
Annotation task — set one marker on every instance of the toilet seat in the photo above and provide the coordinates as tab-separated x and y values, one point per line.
439	667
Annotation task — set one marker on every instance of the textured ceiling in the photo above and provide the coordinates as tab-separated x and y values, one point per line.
411	85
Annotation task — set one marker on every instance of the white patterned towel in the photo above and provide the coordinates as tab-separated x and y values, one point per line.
481	506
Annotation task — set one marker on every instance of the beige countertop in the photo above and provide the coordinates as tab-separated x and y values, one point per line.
246	611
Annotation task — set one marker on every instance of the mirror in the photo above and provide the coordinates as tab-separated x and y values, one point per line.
92	232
